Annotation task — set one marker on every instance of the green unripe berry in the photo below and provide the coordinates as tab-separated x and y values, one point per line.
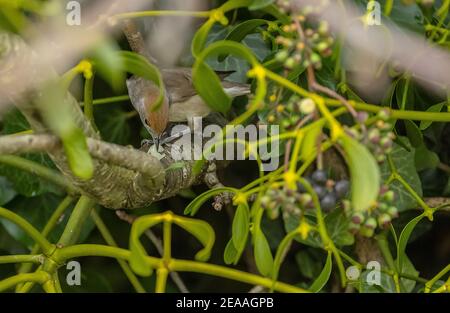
388	196
367	232
374	135
384	220
357	218
371	223
289	63
393	211
307	106
282	55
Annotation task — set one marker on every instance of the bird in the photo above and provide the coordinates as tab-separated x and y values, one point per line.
181	101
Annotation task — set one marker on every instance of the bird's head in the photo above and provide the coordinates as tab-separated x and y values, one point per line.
155	120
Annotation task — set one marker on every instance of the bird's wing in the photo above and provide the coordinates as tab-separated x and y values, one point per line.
178	83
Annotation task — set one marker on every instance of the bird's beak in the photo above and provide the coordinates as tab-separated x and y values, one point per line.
157	141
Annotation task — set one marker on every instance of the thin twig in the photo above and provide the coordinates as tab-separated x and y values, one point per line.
313	84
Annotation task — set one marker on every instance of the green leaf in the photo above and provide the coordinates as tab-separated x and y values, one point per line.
263	255
259	4
308	266
114	124
387	284
414	134
57	113
404	163
409	16
209	87
283	246
195	205
37	211
424	158
23	182
404	93
138	65
389	96
13	121
337	228
230	255
324	276
364	171
240	228
240	31
403	241
199	40
206	81
137	258
407	285
108	63
78	157
235	4
7	192
28	184
202	231
434	108
309	144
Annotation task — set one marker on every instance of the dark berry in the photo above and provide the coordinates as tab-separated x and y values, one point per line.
328	202
320	177
320	191
341	188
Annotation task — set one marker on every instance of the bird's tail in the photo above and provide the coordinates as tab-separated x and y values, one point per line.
236	89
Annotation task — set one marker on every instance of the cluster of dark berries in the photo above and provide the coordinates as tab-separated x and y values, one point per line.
329	191
306	40
378	138
381	214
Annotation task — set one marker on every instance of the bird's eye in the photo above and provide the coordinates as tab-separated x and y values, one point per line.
146	121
